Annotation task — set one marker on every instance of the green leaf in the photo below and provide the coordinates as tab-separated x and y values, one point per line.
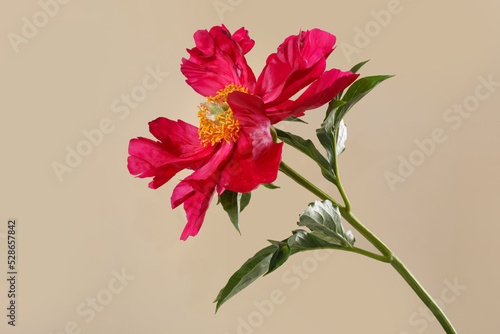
356	92
325	217
333	133
295	119
270	186
252	269
307	147
245	200
302	241
277	243
333	105
280	256
341	138
272	257
234	203
356	67
327	135
322	218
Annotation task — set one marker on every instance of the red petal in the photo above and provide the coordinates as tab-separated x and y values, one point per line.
255	135
181	193
197	190
207	176
179	138
242	38
317	94
195	204
218	60
243	174
177	150
299	61
137	165
196	207
149	151
255	158
204	43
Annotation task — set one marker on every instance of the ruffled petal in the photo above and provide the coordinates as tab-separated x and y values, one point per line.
243	39
317	94
197	190
256	157
195	204
207	176
178	137
177	149
181	193
147	150
299	61
149	159
196	207
218	60
243	173
255	132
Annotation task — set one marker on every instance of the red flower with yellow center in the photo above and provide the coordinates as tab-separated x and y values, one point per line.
233	148
217	120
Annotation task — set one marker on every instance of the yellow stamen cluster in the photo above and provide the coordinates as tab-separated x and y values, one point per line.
217	122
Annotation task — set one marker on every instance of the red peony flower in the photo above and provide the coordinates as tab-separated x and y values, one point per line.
233	148
219	60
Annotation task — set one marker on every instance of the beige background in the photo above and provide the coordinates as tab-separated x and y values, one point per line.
442	220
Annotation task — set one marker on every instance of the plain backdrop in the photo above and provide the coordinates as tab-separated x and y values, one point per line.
99	252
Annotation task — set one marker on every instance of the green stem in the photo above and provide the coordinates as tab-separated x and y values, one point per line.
402	270
365	232
424	295
336	171
343	194
357	251
387	254
288	171
380	258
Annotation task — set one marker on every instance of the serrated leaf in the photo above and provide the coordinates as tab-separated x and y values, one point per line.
234	203
302	240
252	269
307	147
270	186
322	218
325	217
272	257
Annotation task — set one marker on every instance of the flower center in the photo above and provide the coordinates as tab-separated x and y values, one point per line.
217	122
